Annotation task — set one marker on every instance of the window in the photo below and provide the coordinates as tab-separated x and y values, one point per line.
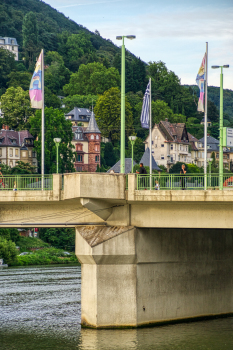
34	154
11	152
97	159
16	152
92	137
227	156
79	168
97	148
29	153
79	147
152	142
185	159
34	163
79	158
162	144
171	147
178	158
97	137
180	147
24	154
187	148
162	156
217	155
171	159
0	152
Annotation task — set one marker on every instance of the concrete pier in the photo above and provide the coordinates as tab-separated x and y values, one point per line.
139	276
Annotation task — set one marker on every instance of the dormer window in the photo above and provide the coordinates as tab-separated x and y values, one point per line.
92	137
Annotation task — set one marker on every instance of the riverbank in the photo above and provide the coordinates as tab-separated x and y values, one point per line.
46	256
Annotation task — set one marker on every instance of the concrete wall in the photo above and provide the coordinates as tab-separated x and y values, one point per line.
144	276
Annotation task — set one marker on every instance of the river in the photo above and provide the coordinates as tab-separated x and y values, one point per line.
40	309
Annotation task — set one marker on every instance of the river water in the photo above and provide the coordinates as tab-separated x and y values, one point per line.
40	309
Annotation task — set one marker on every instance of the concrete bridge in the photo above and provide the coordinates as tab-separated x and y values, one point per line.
147	256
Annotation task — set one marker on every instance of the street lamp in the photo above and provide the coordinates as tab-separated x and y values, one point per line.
221	127
132	140
57	140
131	37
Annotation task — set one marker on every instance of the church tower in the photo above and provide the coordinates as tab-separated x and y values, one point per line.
93	134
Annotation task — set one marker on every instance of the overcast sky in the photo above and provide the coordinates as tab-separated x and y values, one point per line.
173	31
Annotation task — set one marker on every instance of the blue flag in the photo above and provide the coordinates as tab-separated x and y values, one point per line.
145	115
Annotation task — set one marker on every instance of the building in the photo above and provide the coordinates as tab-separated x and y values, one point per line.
213	146
208	122
86	139
116	168
11	45
16	146
79	116
170	143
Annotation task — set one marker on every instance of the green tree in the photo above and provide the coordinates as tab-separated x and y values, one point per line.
21	79
82	101
30	36
9	234
55	126
15	104
138	149
108	114
23	168
7	64
8	251
93	78
109	154
63	238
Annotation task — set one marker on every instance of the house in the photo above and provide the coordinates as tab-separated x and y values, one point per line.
213	146
79	116
146	160
11	45
170	143
86	140
208	122
16	146
195	146
116	168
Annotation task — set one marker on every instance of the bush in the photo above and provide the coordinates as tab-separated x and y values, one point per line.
8	251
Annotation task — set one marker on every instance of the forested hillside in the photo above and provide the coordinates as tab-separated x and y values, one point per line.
84	68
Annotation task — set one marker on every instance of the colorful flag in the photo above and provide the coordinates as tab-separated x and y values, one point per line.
35	89
200	80
146	109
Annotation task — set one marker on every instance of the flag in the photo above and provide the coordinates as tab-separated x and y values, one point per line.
35	89
200	80
146	109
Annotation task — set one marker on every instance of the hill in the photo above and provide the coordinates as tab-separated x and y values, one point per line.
213	96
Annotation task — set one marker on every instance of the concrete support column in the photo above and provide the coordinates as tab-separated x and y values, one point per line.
134	277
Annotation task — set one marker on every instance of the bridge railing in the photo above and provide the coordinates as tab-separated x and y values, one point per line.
26	182
179	181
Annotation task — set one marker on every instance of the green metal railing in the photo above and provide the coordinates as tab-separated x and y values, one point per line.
26	182
179	182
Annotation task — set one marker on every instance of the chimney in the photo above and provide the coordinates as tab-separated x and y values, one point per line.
3	126
208	134
7	127
166	119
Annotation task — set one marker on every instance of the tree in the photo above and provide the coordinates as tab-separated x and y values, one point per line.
55	126
21	79
93	78
63	238
9	234
23	168
8	251
7	64
82	101
109	154
138	149
15	104
30	36
108	114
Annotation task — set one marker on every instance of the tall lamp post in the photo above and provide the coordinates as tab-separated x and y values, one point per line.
132	140
220	167
57	140
131	37
210	160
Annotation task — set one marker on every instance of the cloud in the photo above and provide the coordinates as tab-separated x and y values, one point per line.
89	3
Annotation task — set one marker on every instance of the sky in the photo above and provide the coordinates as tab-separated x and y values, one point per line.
172	31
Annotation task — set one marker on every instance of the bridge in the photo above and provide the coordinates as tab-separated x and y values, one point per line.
148	256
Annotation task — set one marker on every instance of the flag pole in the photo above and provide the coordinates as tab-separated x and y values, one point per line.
150	140
42	121
205	124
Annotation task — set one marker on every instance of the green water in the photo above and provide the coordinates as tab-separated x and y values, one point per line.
40	309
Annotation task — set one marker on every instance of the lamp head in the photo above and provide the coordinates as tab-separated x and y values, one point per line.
215	67
226	66
131	37
118	37
132	138
57	140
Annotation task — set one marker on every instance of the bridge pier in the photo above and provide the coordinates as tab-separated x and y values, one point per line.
140	276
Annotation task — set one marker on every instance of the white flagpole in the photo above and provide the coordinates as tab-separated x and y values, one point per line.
150	140
205	125
42	120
